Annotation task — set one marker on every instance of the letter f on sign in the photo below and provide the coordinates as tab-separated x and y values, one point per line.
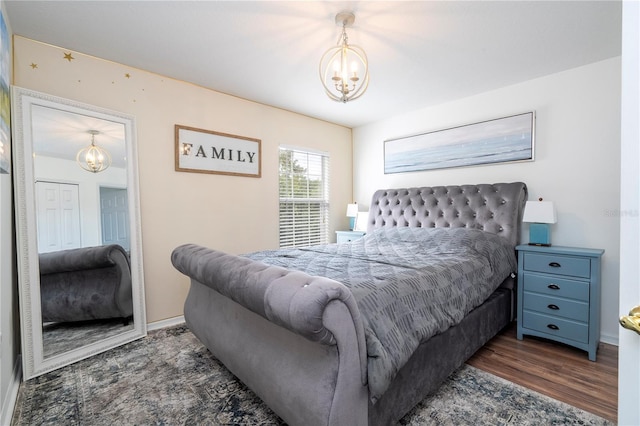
186	148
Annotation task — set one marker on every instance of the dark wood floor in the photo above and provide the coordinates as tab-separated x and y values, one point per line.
556	370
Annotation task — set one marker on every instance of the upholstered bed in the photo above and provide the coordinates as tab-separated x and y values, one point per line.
358	333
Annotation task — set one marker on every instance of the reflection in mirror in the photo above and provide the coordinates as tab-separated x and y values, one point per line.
77	203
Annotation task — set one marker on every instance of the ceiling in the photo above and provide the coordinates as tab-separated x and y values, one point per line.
421	53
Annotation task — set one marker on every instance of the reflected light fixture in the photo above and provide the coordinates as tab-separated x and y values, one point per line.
344	68
93	158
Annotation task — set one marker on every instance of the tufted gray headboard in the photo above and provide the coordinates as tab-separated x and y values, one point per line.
495	208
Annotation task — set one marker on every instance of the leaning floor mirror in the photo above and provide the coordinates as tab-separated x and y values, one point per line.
78	230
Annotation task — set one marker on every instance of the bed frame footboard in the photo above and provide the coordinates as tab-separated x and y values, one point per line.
297	341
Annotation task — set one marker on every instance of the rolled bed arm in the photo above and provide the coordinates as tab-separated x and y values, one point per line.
83	258
292	299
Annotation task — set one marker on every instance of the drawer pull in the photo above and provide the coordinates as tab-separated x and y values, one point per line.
554	264
553	327
554	286
554	307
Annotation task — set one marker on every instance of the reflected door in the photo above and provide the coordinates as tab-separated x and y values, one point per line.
114	214
58	216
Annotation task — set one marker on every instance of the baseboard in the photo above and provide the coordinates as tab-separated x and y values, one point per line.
169	322
9	402
609	339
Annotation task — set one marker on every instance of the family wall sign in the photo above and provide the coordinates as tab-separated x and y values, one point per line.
206	151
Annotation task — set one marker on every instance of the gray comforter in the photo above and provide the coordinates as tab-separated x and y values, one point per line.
409	283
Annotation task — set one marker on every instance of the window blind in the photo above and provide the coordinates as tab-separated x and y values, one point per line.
304	197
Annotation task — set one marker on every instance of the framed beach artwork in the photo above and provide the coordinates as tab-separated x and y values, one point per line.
499	140
5	99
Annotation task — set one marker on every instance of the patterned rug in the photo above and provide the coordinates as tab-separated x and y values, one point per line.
169	378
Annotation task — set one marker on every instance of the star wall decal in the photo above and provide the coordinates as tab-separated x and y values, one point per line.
68	57
33	65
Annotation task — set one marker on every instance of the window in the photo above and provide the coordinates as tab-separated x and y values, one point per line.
304	197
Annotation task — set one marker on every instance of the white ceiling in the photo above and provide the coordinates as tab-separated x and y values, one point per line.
421	53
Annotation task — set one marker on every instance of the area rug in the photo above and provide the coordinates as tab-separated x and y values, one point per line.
169	378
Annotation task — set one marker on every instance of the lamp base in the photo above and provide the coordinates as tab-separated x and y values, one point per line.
539	234
352	223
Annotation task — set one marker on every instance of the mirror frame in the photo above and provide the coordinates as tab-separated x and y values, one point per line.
33	361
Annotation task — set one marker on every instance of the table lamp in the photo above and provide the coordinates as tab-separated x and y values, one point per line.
539	214
352	213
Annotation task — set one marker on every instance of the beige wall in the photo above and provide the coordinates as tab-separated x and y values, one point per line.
230	213
577	158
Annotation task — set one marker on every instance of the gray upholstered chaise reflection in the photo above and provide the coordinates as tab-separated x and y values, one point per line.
90	283
298	341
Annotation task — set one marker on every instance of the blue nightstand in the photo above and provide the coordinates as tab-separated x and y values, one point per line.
559	295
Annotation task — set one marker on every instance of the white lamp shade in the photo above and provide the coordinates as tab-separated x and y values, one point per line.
539	212
352	210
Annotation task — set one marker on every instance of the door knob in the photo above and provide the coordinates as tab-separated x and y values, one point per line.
632	321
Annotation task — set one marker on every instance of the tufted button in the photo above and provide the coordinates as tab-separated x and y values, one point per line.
501	229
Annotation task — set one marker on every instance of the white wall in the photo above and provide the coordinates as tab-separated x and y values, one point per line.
577	158
10	336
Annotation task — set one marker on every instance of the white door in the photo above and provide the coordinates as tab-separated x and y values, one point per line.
58	215
629	350
114	216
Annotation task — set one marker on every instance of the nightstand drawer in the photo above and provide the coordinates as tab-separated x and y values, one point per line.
554	326
554	286
559	265
348	236
570	309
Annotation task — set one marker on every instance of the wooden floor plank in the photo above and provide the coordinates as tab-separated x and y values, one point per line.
556	370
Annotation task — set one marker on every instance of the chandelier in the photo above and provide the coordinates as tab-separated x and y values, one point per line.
93	158
344	69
